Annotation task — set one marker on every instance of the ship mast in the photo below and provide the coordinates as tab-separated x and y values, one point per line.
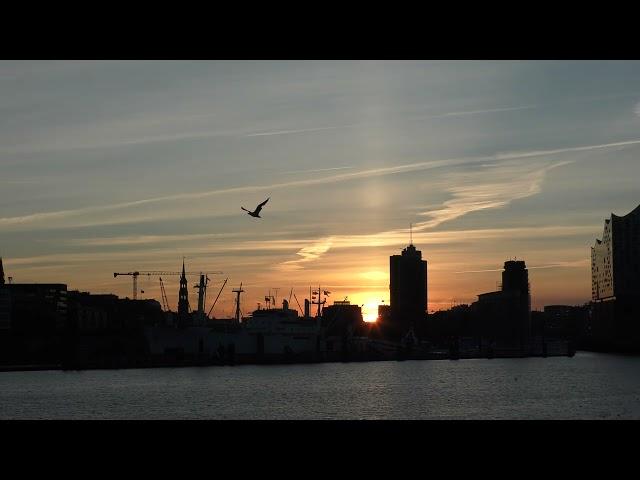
319	302
238	291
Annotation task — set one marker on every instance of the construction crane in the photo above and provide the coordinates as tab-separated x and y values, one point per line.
150	273
216	300
163	293
202	292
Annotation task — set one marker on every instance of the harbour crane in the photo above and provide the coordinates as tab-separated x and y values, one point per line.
163	293
202	292
216	300
150	273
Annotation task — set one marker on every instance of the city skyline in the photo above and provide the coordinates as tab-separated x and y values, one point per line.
117	166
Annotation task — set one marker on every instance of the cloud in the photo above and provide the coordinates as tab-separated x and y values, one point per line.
41	216
574	264
487	189
342	177
94	138
300	130
318	170
144	239
309	253
538	153
492	110
484	190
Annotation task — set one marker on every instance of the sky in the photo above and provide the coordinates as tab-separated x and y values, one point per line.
115	166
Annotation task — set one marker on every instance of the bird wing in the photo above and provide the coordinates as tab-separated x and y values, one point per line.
244	209
259	207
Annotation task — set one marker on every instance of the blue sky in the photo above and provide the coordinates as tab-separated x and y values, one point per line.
112	166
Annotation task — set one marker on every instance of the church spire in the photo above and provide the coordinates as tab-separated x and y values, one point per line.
183	298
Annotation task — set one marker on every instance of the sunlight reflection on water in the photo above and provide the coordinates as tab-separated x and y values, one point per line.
588	386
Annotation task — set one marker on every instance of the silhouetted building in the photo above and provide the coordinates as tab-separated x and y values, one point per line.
615	260
342	318
106	331
384	313
408	291
564	321
91	313
443	325
183	299
88	312
33	307
5	309
5	303
505	315
615	284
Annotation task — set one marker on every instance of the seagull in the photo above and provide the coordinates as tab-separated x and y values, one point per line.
256	212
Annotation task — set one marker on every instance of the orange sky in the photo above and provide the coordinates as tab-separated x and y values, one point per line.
488	161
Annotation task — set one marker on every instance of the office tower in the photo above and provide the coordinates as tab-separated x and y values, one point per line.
505	316
408	290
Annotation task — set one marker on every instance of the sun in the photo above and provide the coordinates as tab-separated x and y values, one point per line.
370	311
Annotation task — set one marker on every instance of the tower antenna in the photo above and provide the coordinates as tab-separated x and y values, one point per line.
411	234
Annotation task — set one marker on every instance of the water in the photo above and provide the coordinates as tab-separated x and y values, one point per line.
587	386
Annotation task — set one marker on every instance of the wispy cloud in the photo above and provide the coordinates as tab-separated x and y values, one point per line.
484	190
144	239
299	130
480	191
309	253
41	216
399	237
95	138
318	170
574	264
491	110
422	117
374	172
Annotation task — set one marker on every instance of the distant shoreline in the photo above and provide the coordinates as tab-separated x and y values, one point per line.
240	362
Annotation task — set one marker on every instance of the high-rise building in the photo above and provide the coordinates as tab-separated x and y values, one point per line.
615	284
505	316
408	290
615	260
1	273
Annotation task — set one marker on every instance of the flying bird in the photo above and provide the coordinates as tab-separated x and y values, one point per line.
256	212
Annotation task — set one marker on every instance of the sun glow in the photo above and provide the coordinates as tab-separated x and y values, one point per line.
370	310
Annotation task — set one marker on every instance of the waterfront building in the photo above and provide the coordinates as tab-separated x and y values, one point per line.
566	321
615	260
408	291
93	313
5	309
342	318
33	308
615	283
269	334
505	315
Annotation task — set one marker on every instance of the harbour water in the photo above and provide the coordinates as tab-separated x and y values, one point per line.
587	386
